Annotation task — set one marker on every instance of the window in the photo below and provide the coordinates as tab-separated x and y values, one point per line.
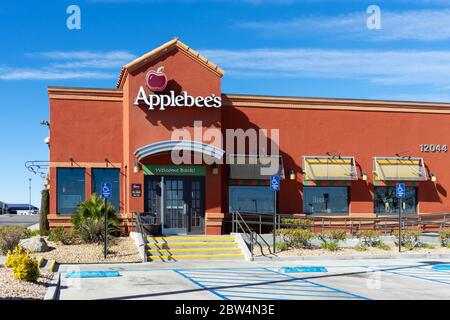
70	189
385	200
101	175
325	200
252	199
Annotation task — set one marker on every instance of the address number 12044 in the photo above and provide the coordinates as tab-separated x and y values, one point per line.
433	148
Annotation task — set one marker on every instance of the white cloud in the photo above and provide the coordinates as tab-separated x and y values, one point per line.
36	74
423	25
380	67
64	65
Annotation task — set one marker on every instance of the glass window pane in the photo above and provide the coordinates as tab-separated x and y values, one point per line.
385	200
101	175
325	200
70	189
254	199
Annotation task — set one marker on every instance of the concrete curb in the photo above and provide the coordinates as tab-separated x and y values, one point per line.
358	257
243	246
139	244
53	289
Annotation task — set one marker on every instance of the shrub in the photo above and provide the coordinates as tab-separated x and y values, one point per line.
382	246
43	219
10	237
13	257
88	221
428	246
281	246
369	238
60	235
330	239
331	246
297	238
409	238
23	266
444	237
361	247
31	233
298	223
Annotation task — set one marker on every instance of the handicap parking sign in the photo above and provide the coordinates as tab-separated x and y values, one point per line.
275	183
400	190
106	190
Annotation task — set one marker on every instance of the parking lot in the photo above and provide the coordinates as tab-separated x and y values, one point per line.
18	220
229	280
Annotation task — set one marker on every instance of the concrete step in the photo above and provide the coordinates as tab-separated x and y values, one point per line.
171	239
194	251
197	256
187	245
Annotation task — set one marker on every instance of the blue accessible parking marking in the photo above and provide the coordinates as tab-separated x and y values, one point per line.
302	269
426	273
261	284
441	267
93	274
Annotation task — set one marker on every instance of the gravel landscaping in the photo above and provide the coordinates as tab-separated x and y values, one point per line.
11	288
121	249
347	251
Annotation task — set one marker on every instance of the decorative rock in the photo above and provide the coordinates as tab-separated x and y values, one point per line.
34	244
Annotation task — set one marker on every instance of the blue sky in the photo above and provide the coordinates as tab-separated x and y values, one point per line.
315	48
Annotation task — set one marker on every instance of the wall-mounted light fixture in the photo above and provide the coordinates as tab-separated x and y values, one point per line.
215	168
433	177
292	175
71	161
136	167
364	176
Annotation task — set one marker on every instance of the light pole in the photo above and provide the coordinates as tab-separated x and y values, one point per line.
29	198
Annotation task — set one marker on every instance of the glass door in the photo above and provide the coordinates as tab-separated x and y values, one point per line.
196	206
175	206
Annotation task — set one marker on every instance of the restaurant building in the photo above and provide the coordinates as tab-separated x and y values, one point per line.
336	156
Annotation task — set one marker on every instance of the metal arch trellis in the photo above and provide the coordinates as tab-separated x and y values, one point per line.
39	167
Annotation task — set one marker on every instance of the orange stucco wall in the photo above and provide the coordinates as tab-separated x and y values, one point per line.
88	130
353	133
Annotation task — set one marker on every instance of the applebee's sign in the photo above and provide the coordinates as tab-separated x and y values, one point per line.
157	81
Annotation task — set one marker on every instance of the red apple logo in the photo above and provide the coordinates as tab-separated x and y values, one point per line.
157	80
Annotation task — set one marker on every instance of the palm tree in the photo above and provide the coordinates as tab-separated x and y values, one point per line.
88	221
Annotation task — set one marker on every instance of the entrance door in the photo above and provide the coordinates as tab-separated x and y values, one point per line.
175	206
179	201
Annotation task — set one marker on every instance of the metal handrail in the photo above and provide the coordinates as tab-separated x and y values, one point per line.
237	218
380	223
142	232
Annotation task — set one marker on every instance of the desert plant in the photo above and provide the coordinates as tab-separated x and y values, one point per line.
330	246
444	237
427	246
297	223
23	266
281	246
88	221
31	233
297	238
330	238
361	247
60	235
14	256
382	246
409	238
10	237
369	238
43	219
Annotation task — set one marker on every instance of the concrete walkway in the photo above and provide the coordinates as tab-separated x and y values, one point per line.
232	280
